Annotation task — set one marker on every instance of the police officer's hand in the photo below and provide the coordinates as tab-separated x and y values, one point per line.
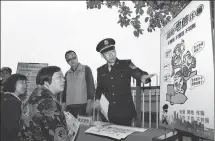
145	77
96	104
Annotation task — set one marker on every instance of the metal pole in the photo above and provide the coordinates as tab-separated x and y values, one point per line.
133	92
94	109
94	99
157	103
98	111
212	14
212	9
213	29
143	108
150	104
138	102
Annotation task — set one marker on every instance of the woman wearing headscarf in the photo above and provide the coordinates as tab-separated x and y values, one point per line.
46	121
11	111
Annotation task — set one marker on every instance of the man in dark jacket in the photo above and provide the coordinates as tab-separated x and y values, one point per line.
113	80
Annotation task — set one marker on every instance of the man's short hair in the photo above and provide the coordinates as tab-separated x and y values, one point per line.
70	51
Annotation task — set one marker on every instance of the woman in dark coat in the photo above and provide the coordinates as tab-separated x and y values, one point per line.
14	86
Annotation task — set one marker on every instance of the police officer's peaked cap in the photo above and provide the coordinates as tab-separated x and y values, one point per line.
105	45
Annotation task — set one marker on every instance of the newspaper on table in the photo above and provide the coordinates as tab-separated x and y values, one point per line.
113	131
72	125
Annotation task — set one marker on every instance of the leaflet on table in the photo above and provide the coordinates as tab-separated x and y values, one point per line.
113	131
72	124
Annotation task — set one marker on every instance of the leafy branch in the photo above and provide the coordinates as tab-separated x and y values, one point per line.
159	13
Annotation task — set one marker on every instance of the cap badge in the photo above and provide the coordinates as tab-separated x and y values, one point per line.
106	42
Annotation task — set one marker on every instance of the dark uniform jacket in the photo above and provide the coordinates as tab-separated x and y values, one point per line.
115	85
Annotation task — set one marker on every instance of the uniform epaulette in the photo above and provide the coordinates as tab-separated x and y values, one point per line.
126	61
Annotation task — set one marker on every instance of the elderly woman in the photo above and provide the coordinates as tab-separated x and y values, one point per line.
46	121
14	86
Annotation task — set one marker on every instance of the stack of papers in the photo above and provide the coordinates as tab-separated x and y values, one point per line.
113	131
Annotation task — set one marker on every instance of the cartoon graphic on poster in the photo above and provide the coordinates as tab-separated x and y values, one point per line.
189	62
176	92
176	61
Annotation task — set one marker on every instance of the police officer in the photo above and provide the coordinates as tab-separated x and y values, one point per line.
113	80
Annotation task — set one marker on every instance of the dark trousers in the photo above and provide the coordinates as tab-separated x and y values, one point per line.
77	109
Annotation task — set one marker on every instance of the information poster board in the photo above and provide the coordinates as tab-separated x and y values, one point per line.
30	70
187	72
